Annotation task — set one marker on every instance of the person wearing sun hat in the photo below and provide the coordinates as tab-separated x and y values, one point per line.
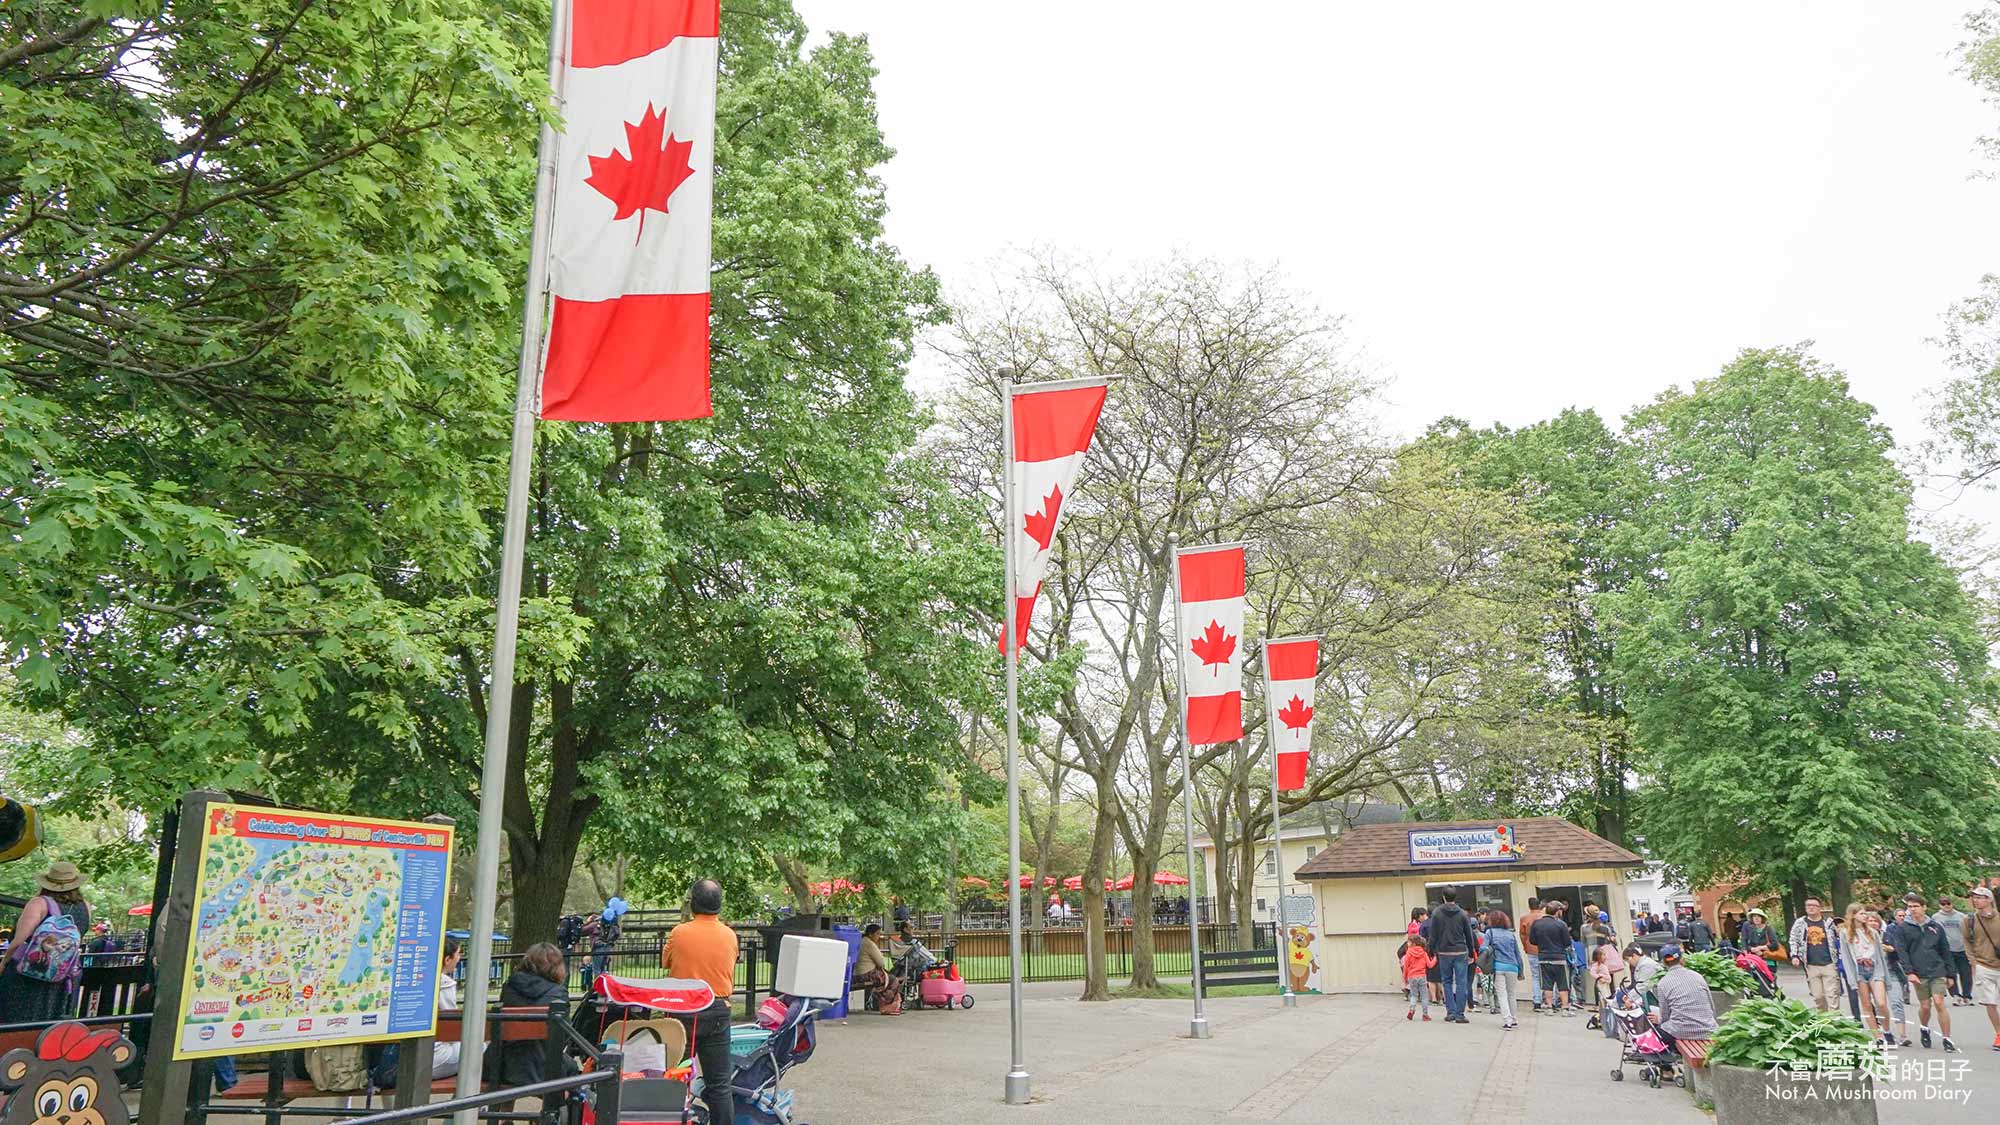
25	997
1756	937
1982	946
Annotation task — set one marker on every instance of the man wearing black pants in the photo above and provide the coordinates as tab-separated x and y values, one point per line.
702	948
1551	939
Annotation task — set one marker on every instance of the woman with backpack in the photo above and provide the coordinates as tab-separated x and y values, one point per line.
39	978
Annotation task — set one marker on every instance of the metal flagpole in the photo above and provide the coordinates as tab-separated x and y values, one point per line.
1278	938
507	609
1017	1068
1198	1027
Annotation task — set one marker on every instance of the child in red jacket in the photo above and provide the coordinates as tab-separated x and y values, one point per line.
1416	961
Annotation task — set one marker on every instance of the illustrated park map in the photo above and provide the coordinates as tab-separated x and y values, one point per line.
313	928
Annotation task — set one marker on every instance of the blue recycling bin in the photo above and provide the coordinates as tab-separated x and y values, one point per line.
852	936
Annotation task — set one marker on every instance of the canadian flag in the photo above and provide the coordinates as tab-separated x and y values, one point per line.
1053	425
629	253
1291	668
1211	616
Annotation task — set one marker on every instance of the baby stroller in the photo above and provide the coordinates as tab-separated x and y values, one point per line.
940	986
761	1060
1639	1042
911	969
637	1017
1760	972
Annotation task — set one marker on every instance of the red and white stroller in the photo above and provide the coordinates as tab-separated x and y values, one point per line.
637	1017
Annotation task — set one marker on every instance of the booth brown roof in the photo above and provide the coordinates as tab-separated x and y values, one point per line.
1384	849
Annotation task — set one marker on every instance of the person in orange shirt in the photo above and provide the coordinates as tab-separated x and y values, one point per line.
704	949
1416	961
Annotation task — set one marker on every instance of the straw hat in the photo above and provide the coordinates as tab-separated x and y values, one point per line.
62	875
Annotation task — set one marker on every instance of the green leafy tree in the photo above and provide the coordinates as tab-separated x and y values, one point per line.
262	309
1570	472
254	317
1806	678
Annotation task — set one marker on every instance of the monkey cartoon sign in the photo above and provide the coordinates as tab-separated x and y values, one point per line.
70	1077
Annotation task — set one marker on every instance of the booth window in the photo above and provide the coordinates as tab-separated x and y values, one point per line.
1478	898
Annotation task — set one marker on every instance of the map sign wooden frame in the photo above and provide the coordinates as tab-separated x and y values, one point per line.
312	929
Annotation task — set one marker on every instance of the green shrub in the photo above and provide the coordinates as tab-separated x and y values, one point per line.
1722	973
1786	1033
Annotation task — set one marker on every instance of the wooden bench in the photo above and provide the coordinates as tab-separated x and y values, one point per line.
1694	1052
511	1025
1239	966
9	1040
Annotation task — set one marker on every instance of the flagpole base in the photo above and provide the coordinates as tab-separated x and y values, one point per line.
1291	1000
1017	1087
1198	1027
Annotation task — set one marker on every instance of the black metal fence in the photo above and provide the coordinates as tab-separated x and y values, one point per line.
642	959
1058	952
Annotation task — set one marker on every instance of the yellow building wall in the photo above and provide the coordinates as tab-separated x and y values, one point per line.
1362	921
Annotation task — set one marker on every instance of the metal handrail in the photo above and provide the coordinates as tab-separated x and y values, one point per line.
87	1021
486	1098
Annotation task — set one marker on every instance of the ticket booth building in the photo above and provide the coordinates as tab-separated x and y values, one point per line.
1368	880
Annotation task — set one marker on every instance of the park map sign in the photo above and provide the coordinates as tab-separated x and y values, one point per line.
312	929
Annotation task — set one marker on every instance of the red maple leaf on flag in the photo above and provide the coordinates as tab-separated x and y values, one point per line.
643	181
1041	526
1295	715
1214	645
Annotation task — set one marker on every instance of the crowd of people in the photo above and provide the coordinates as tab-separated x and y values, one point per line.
1464	960
1884	964
1885	961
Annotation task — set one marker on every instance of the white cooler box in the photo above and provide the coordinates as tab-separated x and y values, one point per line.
815	968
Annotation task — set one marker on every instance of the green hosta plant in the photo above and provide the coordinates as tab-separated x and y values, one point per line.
1722	973
1786	1033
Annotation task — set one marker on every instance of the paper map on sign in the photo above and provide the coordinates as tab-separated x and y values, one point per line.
312	928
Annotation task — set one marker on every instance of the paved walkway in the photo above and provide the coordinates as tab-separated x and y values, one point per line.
1351	1057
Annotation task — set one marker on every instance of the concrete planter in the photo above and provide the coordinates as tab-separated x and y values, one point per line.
1745	1096
1723	1001
1701	1084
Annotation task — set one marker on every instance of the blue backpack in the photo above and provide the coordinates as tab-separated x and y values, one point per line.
54	952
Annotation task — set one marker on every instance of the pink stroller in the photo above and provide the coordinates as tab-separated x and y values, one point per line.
1760	971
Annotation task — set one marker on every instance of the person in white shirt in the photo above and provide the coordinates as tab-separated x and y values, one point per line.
444	1056
1867	967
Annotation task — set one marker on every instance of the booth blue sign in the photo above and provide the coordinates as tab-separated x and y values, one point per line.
1432	846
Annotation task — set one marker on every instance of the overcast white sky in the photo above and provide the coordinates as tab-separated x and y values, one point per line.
1517	206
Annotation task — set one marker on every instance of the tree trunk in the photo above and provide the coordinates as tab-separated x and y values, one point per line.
1144	975
539	886
1795	898
1253	851
1096	970
1843	889
1246	891
1225	857
542	843
794	874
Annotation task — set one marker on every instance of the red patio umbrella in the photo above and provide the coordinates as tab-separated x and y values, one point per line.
1124	883
1169	879
142	910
